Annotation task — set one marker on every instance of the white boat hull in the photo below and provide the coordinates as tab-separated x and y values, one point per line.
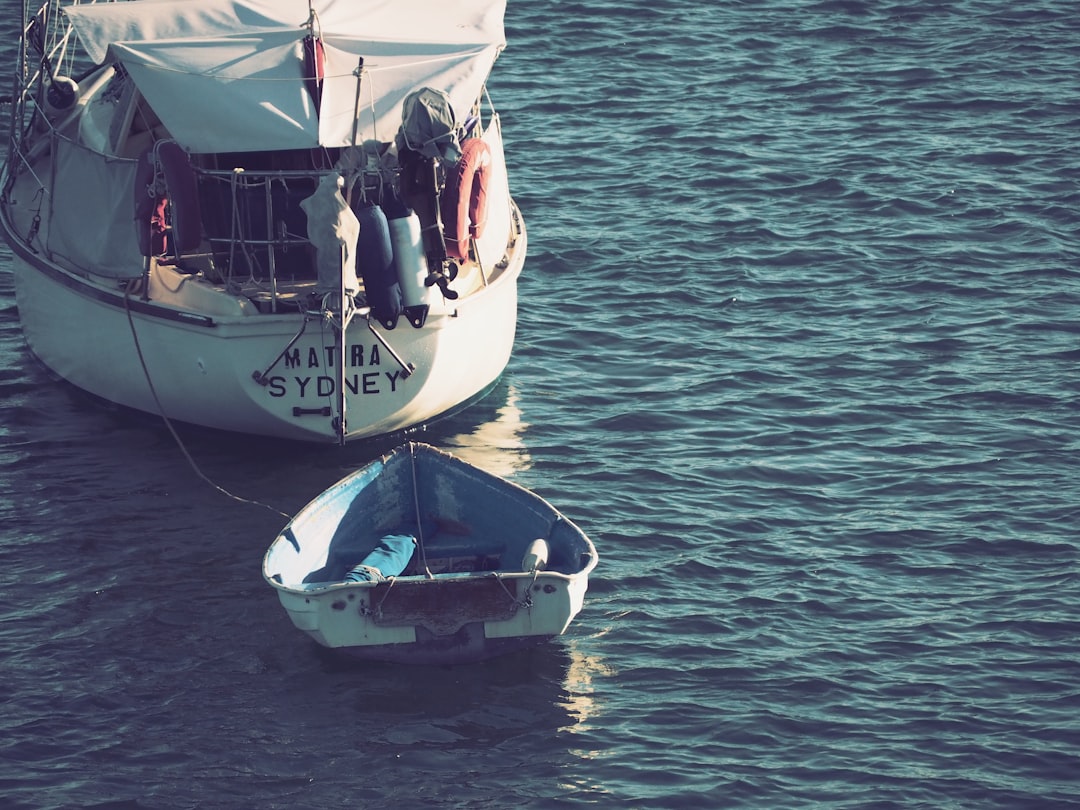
203	367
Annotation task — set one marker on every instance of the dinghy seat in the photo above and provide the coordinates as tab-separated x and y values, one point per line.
448	554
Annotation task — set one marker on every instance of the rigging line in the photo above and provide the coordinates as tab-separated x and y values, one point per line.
374	115
359	74
342	399
312	21
24	158
234	223
416	506
168	422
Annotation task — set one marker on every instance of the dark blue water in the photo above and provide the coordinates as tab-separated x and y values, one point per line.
798	348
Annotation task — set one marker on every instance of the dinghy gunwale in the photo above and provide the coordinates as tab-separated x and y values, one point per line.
330	501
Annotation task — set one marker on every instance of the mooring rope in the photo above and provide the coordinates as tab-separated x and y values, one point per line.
526	601
378	608
169	425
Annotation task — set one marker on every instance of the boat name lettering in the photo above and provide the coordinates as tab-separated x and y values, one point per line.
370	382
358	356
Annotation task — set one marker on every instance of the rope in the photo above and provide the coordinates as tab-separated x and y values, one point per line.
416	506
169	425
376	611
526	602
312	21
237	235
378	608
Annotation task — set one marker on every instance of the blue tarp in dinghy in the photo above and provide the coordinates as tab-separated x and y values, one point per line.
388	559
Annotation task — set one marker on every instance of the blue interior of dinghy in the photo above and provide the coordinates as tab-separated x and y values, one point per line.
352	559
462	519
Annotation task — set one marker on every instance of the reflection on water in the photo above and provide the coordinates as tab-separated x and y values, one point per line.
582	709
496	445
580	701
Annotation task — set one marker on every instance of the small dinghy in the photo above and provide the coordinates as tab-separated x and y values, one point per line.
421	557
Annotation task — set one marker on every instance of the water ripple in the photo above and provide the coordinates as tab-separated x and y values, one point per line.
797	347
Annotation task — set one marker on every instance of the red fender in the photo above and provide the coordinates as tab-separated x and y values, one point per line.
180	194
314	68
464	205
149	208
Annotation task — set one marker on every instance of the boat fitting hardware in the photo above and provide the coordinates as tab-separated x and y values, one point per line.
262	378
406	368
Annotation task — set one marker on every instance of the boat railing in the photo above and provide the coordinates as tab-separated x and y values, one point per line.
254	224
256	229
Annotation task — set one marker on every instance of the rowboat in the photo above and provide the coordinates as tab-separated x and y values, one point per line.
276	217
421	557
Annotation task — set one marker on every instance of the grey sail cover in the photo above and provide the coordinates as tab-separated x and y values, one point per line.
428	126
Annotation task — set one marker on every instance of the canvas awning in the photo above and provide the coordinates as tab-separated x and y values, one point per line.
228	75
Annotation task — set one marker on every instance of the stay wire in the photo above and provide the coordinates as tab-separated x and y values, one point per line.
169	425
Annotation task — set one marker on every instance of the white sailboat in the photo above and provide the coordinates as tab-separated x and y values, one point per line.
276	217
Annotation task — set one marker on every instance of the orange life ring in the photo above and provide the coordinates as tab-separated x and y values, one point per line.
465	199
180	192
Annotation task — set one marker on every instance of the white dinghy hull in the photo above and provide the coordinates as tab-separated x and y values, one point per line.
495	567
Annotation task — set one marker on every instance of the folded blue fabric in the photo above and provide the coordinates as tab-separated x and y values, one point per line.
388	559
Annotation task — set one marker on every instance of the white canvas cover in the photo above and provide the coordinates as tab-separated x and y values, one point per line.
91	230
228	75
